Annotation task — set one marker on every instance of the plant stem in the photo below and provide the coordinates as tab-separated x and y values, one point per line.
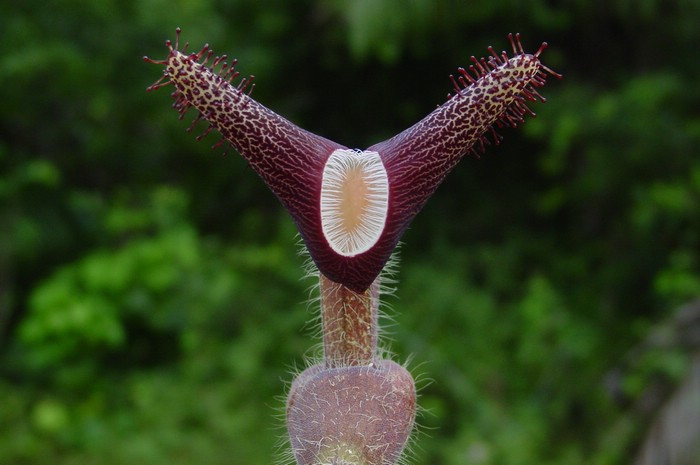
349	324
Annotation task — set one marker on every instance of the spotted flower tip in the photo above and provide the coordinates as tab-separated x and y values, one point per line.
352	206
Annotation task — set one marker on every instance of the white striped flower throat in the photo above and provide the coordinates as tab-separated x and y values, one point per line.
354	201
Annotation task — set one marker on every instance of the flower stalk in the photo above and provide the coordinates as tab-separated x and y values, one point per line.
349	323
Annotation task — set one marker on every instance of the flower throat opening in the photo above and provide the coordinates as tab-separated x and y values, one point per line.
354	201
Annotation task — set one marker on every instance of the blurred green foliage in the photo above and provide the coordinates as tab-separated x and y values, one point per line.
151	297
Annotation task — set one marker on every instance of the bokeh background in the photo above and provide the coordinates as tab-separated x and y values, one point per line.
153	304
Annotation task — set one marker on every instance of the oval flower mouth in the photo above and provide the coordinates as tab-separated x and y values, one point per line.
354	201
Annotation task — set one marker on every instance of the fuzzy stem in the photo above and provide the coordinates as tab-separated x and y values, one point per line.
350	326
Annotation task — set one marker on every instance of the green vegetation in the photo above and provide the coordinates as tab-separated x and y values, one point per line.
152	300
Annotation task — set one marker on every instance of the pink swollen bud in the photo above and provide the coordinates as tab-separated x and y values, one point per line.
351	415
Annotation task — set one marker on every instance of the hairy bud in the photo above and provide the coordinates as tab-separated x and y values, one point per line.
359	415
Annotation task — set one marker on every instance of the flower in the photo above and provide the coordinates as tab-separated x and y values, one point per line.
352	206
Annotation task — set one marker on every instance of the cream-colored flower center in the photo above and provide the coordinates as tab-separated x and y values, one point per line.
354	201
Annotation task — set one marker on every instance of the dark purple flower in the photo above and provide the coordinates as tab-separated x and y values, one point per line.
352	206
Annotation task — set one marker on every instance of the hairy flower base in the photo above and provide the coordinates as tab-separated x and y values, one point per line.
351	207
360	415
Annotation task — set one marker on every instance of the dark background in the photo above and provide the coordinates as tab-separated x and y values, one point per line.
153	304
